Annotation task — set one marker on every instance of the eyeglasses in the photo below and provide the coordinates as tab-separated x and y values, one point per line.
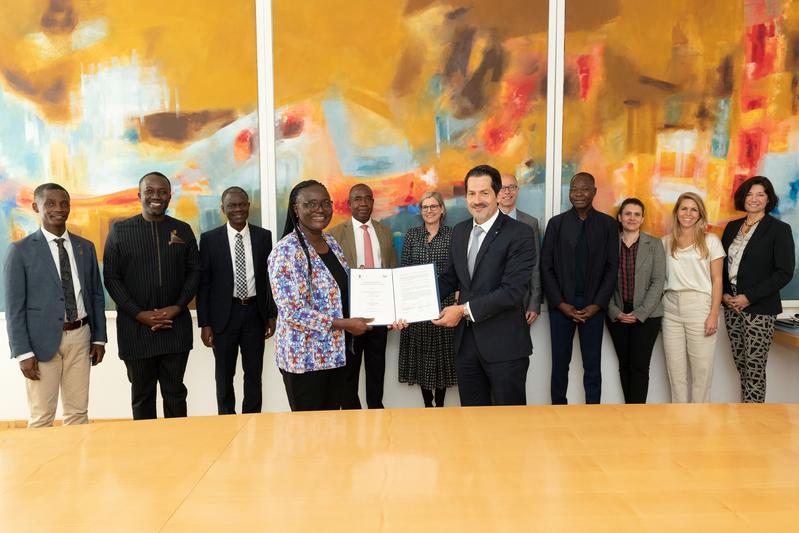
509	188
315	205
431	207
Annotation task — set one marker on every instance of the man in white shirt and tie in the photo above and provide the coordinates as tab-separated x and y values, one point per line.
55	311
235	309
366	244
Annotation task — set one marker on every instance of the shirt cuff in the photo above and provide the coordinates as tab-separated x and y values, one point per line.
22	357
469	315
99	343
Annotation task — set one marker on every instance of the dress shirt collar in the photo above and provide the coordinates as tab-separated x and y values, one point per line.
50	237
358	224
487	224
231	231
513	213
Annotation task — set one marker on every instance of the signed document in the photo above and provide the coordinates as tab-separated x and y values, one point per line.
390	294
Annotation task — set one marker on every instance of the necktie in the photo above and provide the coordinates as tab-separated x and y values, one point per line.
474	248
241	268
368	255
70	304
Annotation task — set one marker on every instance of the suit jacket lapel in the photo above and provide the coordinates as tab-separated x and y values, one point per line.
78	251
227	258
383	241
255	245
44	250
460	248
492	233
759	230
348	246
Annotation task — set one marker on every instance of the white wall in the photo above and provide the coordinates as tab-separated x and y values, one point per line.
110	391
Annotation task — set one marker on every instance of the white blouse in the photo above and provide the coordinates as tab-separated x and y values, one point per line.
686	270
736	250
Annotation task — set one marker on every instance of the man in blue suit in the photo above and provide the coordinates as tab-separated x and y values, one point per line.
55	311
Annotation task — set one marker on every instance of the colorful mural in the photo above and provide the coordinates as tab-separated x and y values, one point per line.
95	94
665	97
406	96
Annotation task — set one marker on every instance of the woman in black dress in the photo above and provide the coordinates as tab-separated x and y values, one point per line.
426	354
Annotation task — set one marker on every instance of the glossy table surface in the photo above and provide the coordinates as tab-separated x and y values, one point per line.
589	468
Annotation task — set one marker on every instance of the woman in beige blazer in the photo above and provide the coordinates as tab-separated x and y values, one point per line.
635	309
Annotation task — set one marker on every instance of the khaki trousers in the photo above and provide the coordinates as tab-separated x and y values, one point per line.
689	353
68	370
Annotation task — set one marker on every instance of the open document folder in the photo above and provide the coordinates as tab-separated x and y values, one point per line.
390	294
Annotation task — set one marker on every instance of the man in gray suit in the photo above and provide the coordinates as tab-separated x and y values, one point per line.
507	204
55	311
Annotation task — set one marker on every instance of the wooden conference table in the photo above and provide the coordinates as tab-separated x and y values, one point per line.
575	468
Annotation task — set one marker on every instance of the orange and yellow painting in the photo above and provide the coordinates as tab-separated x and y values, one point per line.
679	95
407	96
95	94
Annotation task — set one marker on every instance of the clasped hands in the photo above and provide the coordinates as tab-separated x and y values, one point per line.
158	319
736	303
580	316
626	318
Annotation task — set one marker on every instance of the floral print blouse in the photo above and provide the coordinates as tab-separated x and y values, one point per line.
306	307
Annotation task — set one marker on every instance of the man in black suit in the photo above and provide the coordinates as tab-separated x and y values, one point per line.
491	264
234	303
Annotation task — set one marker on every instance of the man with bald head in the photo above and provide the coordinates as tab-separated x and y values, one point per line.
579	267
151	268
366	244
508	195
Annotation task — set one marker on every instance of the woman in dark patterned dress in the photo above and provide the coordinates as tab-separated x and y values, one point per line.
426	355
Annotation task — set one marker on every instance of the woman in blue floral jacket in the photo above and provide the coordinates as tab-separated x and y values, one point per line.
308	274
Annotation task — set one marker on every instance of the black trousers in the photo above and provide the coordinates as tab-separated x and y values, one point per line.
483	383
634	344
562	331
372	347
244	331
320	390
167	371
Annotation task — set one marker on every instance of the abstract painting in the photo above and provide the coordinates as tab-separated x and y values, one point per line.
408	95
95	94
678	95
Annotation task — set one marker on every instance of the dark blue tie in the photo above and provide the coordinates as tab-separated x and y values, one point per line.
66	282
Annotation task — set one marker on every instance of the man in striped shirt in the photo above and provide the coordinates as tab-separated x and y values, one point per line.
151	268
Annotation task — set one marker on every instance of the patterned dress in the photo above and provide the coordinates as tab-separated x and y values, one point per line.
426	355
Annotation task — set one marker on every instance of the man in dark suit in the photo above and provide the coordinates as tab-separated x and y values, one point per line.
507	204
55	311
235	310
491	264
367	244
151	268
579	269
